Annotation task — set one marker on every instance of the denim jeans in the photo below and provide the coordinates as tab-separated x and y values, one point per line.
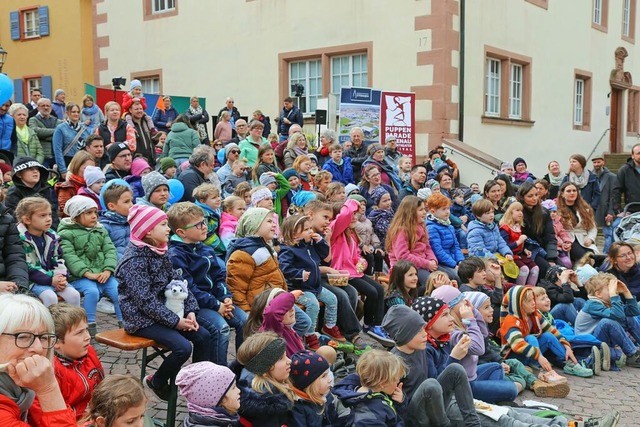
179	344
631	325
347	298
49	296
545	342
303	322
613	333
219	329
565	311
462	238
490	386
312	306
92	290
608	234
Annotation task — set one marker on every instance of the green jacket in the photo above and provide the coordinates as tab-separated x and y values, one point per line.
249	151
281	193
31	147
86	249
180	142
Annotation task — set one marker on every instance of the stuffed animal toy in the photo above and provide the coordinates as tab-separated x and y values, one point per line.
176	292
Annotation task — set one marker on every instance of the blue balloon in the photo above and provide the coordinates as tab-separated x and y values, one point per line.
109	184
176	191
6	88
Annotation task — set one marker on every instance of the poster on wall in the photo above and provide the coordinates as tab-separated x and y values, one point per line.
380	114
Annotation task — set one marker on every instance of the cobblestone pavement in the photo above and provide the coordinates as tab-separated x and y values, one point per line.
589	396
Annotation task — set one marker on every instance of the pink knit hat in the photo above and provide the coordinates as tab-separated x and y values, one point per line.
138	166
204	385
143	218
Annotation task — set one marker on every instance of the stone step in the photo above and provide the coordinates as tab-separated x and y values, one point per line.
615	160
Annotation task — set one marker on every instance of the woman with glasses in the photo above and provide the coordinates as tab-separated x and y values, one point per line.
578	219
624	265
372	179
26	349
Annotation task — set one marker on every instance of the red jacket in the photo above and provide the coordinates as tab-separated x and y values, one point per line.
10	416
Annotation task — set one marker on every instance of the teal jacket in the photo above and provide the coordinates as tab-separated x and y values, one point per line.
180	142
249	151
86	249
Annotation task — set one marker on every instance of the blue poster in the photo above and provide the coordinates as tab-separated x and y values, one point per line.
360	107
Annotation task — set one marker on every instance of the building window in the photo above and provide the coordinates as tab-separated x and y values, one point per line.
33	84
633	112
162	6
629	20
507	87
600	14
150	85
29	23
309	75
349	70
626	13
582	100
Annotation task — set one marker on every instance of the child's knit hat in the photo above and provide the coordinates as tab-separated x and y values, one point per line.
585	273
306	367
166	163
151	181
134	84
77	205
138	165
250	221
519	160
377	194
448	294
301	198
477	299
357	197
260	195
288	173
204	385
402	323
5	167
553	272
266	179
350	188
263	361
93	174
549	205
429	308
142	219
431	184
424	193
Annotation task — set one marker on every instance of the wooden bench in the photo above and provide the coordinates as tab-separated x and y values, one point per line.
121	340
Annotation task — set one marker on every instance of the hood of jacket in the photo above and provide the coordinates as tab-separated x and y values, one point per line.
179	127
478	224
23	163
347	390
111	217
248	244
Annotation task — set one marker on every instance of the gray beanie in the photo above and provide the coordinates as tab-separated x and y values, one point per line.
151	181
402	324
250	221
77	205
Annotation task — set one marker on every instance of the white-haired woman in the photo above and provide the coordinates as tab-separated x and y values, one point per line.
28	144
27	337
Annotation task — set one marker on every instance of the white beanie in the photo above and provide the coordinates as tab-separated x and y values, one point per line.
77	205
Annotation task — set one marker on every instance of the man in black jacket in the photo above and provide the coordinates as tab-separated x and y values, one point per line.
418	176
357	152
629	181
289	115
608	207
201	164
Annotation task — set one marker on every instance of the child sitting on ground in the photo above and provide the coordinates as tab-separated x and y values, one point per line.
47	271
442	235
117	200
156	191
437	279
374	392
139	169
609	317
232	209
94	181
335	192
207	197
238	175
262	197
90	256
404	169
243	190
403	285
213	399
484	235
381	213
566	294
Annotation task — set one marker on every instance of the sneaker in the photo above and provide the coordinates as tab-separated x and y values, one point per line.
544	389
609	420
594	361
633	360
312	342
93	329
334	333
606	356
162	392
622	361
105	306
578	370
359	343
551	377
377	333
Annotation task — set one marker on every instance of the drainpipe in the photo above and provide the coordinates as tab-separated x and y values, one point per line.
461	73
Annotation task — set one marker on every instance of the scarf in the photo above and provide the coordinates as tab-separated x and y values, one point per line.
339	164
521	176
555	181
160	250
202	130
23	397
445	222
90	111
73	126
440	342
595	298
300	151
579	181
324	151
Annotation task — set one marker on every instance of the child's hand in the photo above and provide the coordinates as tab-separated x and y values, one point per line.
521	239
464	228
544	363
184	325
527	253
316	237
432	265
569	354
398	395
566	246
454	283
464	219
495	269
462	348
192	317
103	277
305	275
91	276
297	293
564	276
613	287
509	257
380	251
506	368
466	310
327	234
8	286
59	282
367	249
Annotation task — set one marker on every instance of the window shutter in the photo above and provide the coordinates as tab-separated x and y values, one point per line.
43	17
18	89
14	18
46	87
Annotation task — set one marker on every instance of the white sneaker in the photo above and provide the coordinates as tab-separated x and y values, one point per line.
105	306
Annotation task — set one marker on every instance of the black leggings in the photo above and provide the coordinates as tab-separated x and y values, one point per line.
374	261
374	299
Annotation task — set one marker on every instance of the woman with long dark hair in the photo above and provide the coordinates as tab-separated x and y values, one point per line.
578	219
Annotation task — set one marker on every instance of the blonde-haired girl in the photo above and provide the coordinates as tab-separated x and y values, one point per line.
118	400
511	225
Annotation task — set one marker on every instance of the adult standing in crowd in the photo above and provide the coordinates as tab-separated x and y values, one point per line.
357	151
181	141
115	129
91	115
44	124
417	178
201	164
327	137
144	143
223	130
27	141
7	130
231	153
32	105
249	147
289	115
391	152
629	181
58	105
554	177
68	137
199	119
258	115
241	131
121	159
297	146
608	207
230	106
163	119
584	179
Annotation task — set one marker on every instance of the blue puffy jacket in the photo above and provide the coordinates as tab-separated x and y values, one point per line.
294	260
118	228
485	238
442	239
8	138
344	174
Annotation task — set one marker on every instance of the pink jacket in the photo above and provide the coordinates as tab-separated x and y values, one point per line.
228	225
562	236
272	321
420	255
345	254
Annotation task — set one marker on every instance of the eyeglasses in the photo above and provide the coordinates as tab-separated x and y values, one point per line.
200	225
217	145
627	255
234	152
26	339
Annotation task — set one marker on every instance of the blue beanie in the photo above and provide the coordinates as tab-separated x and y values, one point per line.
288	173
301	198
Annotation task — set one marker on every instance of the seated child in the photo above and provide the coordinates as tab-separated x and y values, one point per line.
243	190
566	293
156	191
47	272
511	225
322	180
473	274
205	277
374	392
213	399
610	318
135	94
335	192
279	187
76	364
403	284
371	248
300	257
294	184
139	169
484	235
90	256
303	164
381	213
266	393
340	168
442	235
262	197
404	169
94	180
527	336
237	176
460	216
168	167
117	200
562	236
207	197
437	279
232	209
116	401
